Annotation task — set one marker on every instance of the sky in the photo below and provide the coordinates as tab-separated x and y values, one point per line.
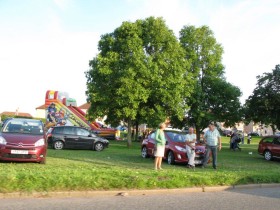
47	44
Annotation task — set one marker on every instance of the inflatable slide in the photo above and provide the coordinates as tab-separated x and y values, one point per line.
62	110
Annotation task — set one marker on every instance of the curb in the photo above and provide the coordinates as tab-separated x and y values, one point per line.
132	192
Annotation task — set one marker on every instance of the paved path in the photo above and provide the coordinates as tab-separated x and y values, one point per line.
247	199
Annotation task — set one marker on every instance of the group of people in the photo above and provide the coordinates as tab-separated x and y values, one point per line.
211	138
55	117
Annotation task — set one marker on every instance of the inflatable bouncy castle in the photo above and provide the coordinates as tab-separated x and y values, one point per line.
62	110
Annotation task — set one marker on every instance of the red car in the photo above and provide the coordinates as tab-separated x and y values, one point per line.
175	149
23	140
269	147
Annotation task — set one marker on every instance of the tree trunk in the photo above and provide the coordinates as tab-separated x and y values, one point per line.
273	127
197	133
129	123
137	130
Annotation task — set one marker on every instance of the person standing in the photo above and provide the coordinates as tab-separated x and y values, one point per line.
190	147
213	142
160	146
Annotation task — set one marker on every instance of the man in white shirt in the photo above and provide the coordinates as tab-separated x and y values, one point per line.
190	147
213	142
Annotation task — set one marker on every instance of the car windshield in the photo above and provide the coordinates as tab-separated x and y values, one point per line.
176	136
26	126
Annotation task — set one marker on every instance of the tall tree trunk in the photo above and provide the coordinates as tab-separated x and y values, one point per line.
129	126
137	130
197	129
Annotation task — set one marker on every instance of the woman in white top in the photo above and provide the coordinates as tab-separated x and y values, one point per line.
190	147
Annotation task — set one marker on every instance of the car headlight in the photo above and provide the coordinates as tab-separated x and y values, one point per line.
40	142
181	149
3	141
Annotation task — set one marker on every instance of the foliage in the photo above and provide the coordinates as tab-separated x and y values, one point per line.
119	168
263	105
3	117
214	99
138	75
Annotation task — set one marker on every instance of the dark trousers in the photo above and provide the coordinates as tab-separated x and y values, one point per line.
213	150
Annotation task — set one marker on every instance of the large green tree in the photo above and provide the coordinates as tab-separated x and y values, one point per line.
263	105
213	99
139	74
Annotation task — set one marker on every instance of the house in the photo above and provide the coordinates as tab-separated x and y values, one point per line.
41	111
17	114
262	130
85	107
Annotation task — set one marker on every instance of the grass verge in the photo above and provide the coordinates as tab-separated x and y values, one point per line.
121	168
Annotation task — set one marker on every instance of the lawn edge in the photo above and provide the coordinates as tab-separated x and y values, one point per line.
135	192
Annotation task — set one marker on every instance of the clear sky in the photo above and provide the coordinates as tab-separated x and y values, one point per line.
47	44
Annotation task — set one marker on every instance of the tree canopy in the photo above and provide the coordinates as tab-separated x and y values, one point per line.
263	105
213	97
139	74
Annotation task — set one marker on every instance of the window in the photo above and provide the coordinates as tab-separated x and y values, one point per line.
70	130
82	132
176	136
24	126
277	140
58	130
268	140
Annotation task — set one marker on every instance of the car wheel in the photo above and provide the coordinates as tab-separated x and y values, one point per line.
58	145
170	158
144	152
267	155
98	146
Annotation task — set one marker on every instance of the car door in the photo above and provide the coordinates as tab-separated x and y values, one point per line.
70	137
276	147
85	139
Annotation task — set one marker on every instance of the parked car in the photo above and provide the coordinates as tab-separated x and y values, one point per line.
253	134
269	147
73	137
175	149
23	140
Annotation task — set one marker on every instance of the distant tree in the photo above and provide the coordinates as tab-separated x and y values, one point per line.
213	98
138	75
263	105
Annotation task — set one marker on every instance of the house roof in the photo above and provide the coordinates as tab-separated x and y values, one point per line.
41	107
20	114
85	106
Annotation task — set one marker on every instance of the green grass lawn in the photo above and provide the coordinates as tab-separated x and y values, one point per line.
118	167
